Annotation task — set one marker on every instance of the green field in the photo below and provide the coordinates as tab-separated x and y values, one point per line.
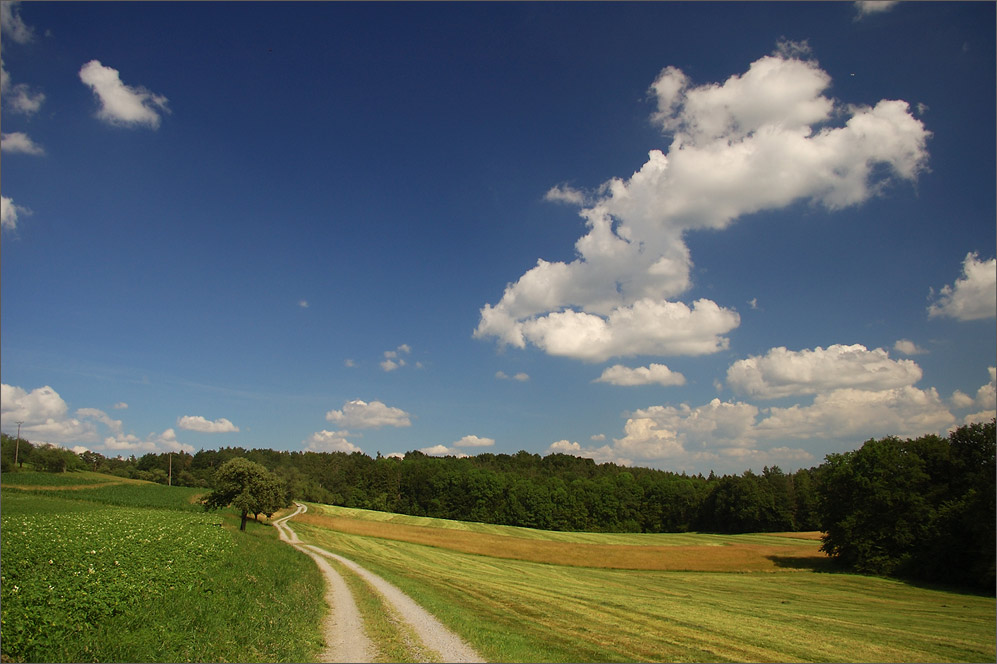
527	610
136	572
99	569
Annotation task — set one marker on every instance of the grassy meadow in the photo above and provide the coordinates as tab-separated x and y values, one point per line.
96	568
520	595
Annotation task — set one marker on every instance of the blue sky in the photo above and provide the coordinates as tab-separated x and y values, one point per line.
689	236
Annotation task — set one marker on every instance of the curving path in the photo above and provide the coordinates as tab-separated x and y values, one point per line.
345	638
431	631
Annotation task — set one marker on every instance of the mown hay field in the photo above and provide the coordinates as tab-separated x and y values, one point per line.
707	598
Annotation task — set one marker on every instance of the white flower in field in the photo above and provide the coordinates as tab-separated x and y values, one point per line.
50	561
16	589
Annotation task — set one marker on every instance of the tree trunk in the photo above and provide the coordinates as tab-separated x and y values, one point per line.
244	515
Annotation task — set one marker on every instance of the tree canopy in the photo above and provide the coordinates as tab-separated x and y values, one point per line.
247	486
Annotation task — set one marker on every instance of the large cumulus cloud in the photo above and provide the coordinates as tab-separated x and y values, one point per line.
761	140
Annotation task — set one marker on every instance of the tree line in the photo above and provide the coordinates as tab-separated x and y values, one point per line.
554	492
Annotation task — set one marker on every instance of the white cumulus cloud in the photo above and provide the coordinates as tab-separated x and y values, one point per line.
782	372
163	442
46	419
730	434
651	374
121	104
985	401
603	454
40	405
646	327
760	140
973	296
442	450
474	441
359	414
204	425
860	414
331	441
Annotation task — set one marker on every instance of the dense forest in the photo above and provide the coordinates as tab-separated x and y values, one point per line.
921	508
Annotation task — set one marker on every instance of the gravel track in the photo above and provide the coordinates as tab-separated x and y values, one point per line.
345	638
434	635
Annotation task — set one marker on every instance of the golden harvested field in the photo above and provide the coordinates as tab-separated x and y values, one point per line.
727	554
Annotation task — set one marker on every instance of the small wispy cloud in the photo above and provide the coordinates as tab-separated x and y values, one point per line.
17	142
908	347
303	304
10	213
12	25
521	376
869	7
565	194
393	358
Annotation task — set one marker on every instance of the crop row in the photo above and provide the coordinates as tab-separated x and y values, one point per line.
64	572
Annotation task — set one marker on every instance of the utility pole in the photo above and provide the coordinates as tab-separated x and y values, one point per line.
17	443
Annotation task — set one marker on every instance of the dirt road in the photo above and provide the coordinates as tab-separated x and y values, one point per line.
345	632
345	638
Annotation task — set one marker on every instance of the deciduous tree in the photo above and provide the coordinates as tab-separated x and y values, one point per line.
247	486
